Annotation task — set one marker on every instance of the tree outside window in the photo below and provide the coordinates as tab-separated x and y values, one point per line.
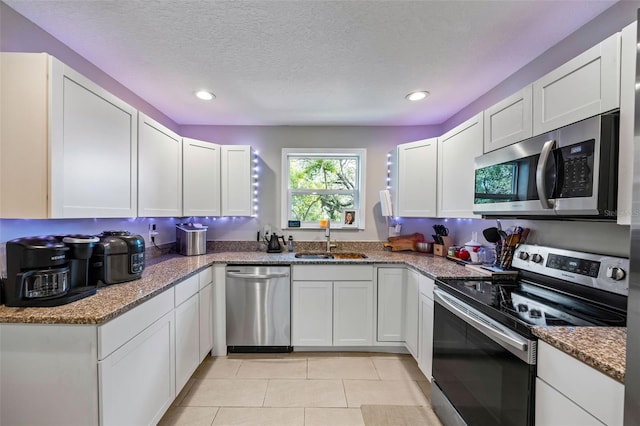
321	185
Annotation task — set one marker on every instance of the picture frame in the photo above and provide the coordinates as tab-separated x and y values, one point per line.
349	218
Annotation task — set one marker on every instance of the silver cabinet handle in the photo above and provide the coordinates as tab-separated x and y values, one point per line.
541	181
256	276
486	326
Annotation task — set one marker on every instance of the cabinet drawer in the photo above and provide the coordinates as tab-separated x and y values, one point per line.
186	289
205	277
120	330
579	382
332	272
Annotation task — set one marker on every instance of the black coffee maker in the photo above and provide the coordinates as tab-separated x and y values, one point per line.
48	270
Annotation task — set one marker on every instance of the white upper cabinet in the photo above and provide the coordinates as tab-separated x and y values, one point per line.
627	111
200	178
414	178
159	170
237	180
457	150
68	148
509	121
587	85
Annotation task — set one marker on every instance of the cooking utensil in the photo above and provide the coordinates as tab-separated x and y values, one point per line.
491	235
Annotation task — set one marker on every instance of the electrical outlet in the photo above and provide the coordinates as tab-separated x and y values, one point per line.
152	232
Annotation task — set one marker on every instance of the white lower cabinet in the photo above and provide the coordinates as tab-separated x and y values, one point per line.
126	371
137	382
337	311
411	311
205	299
570	392
425	327
391	299
187	340
312	313
352	313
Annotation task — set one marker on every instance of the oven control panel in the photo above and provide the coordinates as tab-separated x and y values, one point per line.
607	273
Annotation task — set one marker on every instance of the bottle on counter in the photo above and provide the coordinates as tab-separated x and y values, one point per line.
290	244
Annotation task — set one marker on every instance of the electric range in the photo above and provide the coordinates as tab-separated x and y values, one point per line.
484	350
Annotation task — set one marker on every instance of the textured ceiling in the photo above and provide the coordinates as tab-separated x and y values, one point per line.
308	62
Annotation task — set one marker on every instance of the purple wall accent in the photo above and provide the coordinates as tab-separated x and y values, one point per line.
18	34
609	22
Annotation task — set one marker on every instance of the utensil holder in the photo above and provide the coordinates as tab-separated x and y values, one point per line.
442	249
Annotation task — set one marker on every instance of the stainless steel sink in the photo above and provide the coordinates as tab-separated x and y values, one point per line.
316	255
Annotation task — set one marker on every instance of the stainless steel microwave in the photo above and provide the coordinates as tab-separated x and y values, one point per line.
571	172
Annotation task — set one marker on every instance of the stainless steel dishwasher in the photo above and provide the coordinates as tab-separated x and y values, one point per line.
258	301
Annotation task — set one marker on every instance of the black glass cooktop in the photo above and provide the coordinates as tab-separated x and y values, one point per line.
521	305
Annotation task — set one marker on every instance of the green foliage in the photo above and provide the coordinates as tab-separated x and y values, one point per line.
321	187
495	180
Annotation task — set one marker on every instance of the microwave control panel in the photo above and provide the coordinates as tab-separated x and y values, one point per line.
576	169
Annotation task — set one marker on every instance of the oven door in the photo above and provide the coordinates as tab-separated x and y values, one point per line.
483	373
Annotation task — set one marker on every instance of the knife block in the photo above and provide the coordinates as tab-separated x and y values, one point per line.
442	249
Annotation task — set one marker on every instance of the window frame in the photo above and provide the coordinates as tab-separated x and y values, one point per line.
359	196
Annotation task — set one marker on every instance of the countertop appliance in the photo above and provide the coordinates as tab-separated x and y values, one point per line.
118	257
191	239
484	352
48	270
569	172
632	374
258	302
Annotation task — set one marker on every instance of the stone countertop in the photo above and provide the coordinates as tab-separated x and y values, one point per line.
162	273
603	348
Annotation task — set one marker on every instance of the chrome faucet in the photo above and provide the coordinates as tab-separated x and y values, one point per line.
327	233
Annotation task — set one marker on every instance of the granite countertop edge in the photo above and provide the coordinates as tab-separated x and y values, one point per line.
164	272
603	348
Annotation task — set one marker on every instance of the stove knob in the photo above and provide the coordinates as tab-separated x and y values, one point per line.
616	273
522	307
536	258
523	255
535	313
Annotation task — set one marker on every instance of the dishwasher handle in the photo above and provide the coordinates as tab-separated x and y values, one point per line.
257	276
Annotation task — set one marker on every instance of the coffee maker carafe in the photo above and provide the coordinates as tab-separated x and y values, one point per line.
48	270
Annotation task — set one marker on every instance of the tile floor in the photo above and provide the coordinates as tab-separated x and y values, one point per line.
300	388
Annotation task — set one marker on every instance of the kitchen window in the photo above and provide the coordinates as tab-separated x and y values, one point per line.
322	183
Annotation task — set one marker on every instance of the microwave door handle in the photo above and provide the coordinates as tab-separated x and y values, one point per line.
541	182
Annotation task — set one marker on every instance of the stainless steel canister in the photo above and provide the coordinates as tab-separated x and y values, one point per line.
191	239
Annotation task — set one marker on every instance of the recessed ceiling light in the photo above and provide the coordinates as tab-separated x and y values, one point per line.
417	96
204	95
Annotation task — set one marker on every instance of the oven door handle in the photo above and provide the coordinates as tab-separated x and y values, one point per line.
487	327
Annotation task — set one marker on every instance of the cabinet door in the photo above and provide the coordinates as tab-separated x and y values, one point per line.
160	170
200	178
587	85
576	380
187	340
555	409
206	321
425	332
137	382
457	150
411	310
627	111
93	149
391	299
416	186
312	313
509	121
352	313
236	180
